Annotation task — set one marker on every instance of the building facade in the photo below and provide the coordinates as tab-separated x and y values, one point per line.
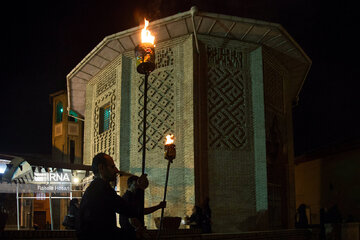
224	86
67	131
44	184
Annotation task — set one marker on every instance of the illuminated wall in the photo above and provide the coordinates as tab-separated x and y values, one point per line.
215	108
121	87
225	87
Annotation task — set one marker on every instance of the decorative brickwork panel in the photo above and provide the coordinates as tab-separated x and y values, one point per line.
169	110
160	108
105	141
106	83
225	57
164	58
226	99
273	85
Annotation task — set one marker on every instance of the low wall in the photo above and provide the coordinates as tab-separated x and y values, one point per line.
40	234
181	234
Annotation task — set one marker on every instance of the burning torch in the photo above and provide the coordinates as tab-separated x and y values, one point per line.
145	64
170	154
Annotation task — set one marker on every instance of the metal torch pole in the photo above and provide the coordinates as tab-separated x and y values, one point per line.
144	123
144	143
164	199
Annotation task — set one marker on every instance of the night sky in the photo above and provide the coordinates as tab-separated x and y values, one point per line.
45	40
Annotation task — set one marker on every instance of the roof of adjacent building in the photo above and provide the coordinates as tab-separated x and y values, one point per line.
271	35
333	150
39	160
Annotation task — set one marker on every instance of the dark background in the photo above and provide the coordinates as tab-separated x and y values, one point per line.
44	41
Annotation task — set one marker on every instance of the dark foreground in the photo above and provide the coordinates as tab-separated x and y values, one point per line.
181	234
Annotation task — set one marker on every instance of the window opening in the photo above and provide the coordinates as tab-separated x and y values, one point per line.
59	112
104	118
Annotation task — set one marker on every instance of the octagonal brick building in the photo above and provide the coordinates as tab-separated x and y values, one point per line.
225	87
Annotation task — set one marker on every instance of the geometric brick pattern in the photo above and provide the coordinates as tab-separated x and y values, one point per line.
105	141
226	108
160	108
164	58
106	83
224	57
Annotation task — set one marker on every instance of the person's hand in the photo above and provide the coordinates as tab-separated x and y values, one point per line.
143	182
162	204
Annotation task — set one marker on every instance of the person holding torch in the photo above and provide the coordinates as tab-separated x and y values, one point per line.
134	226
97	218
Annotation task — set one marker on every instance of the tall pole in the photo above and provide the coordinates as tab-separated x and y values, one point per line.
144	123
170	154
145	64
17	206
164	199
144	143
165	190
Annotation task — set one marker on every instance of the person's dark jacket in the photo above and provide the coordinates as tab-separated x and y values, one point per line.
97	211
73	209
134	198
72	216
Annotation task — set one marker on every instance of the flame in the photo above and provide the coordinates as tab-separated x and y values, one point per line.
146	36
169	139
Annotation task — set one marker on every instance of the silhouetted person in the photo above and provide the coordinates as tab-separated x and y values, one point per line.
196	218
333	214
206	216
133	195
334	217
73	213
35	226
47	225
97	219
301	218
